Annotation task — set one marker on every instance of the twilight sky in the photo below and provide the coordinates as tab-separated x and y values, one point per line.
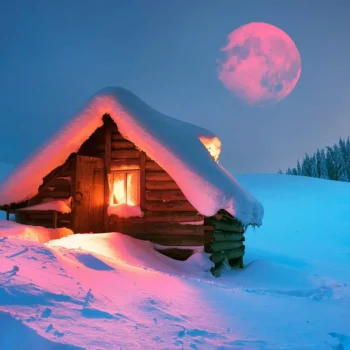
55	54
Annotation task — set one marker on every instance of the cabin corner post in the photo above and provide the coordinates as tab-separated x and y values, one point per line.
142	180
107	165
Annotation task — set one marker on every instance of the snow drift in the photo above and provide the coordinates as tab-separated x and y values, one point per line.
182	149
122	294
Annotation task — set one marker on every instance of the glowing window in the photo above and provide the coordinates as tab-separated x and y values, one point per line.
126	187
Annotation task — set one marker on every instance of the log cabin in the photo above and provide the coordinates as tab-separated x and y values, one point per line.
121	166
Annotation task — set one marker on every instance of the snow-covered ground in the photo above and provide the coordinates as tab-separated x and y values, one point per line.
110	291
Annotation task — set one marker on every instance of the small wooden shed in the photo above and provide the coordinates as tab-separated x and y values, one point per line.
121	166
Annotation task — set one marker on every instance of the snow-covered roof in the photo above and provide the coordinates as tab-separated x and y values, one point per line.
177	146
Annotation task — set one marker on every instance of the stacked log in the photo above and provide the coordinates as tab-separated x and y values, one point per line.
226	243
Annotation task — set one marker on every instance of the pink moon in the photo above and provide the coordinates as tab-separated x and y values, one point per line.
261	64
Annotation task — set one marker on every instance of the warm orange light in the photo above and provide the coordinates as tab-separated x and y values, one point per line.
213	145
123	190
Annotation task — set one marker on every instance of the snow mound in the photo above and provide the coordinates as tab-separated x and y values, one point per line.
287	297
32	233
177	146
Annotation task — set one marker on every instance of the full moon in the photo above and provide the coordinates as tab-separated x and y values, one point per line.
261	64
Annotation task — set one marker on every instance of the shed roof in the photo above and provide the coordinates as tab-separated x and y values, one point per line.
177	146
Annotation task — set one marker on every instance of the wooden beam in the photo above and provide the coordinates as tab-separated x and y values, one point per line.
172	217
153	166
158	176
107	171
54	219
142	180
161	185
117	164
165	195
228	226
227	236
125	154
123	144
169	206
142	229
220	246
116	136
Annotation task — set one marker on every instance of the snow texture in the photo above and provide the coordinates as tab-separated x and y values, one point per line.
175	145
57	205
119	293
124	210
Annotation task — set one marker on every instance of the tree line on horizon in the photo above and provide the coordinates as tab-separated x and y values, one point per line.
332	163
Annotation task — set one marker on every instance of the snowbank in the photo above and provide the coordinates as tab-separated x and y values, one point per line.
32	233
176	145
95	284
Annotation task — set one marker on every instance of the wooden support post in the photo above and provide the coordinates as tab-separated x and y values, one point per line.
54	219
7	215
142	180
108	141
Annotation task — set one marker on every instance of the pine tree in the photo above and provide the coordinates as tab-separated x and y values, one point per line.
289	172
306	166
313	167
323	166
340	164
279	172
318	160
331	168
299	171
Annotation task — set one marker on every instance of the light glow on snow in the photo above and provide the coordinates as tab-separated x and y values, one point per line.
124	210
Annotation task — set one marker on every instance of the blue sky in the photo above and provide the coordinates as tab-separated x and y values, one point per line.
55	54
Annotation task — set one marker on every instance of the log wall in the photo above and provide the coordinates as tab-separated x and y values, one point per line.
227	242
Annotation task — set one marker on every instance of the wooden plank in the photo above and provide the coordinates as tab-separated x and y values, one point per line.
123	144
125	154
165	195
98	211
141	229
102	206
57	192
117	136
153	166
169	206
176	240
54	219
161	185
142	180
172	217
120	163
230	226
158	176
219	246
227	236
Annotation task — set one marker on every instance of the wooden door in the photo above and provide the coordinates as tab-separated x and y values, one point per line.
88	195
